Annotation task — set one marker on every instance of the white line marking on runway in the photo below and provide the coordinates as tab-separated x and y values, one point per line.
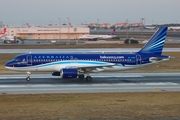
104	85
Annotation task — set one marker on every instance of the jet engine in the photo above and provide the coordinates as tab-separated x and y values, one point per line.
68	73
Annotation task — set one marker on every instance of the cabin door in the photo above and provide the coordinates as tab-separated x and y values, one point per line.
138	59
29	60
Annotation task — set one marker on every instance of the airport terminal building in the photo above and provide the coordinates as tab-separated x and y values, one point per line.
48	33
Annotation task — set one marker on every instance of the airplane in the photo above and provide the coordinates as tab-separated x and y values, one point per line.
150	27
8	39
5	38
3	31
176	28
95	37
74	65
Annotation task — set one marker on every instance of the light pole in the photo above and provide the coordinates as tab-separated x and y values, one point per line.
59	28
98	27
68	29
142	20
8	29
127	29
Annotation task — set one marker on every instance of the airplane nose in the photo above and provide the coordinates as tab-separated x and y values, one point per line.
8	64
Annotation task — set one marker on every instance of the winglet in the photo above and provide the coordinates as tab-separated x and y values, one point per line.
156	42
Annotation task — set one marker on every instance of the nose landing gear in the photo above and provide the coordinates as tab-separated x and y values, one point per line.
28	76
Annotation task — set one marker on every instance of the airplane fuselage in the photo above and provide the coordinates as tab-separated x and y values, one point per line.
96	36
104	62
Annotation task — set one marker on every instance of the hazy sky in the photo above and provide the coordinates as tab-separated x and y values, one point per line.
80	11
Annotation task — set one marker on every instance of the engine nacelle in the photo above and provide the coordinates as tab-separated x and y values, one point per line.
56	74
68	73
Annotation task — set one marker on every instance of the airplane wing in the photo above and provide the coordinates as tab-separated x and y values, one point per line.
87	66
96	68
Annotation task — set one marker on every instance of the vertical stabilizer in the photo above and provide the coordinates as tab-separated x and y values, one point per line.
112	32
3	31
156	42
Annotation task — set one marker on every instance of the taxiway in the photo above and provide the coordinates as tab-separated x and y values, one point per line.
101	50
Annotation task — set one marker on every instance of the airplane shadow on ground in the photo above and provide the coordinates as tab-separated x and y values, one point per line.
95	80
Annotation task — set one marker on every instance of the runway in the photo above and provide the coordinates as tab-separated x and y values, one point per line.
103	82
99	50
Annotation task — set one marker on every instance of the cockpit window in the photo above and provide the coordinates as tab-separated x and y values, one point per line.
17	59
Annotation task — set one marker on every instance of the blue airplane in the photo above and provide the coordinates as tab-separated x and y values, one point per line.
78	65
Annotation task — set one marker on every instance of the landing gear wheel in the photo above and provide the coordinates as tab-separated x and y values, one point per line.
81	77
28	79
28	76
89	78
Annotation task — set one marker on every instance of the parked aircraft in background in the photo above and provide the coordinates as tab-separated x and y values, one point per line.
8	39
95	37
11	40
176	28
150	27
77	65
2	33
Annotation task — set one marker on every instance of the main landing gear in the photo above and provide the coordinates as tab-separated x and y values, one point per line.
28	76
88	78
81	77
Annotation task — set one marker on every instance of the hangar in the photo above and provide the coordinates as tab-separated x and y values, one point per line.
48	33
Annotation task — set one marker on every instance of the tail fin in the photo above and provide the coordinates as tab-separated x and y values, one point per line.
3	31
112	32
28	25
70	25
156	42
